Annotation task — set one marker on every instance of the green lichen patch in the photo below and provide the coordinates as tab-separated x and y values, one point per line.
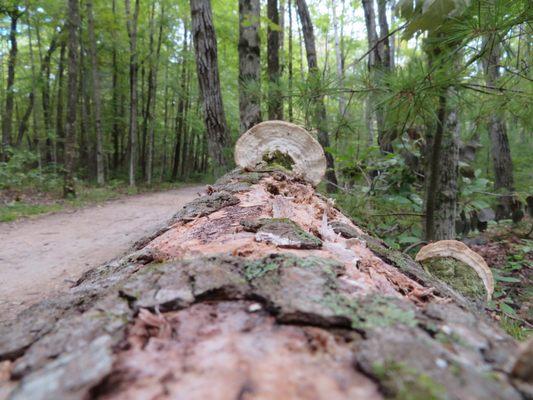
277	158
282	232
372	312
401	382
458	275
203	206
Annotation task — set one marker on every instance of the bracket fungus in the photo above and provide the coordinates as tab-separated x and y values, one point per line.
461	252
282	143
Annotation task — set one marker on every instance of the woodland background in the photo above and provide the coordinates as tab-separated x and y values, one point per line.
423	107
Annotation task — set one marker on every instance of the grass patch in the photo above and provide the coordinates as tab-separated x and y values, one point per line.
16	210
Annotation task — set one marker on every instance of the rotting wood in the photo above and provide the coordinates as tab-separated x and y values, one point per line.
215	313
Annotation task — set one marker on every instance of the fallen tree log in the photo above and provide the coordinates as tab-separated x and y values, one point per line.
260	289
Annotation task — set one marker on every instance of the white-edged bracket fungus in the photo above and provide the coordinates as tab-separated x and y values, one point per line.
460	252
274	139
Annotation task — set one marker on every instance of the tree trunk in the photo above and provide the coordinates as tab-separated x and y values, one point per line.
290	63
275	95
47	111
7	117
320	107
131	21
338	58
180	114
502	162
154	69
442	174
342	317
60	122
73	23
205	46
96	96
249	64
114	89
23	125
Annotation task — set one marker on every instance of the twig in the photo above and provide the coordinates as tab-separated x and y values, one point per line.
400	214
412	246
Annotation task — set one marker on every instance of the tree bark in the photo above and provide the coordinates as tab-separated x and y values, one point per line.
338	58
265	322
205	46
320	107
131	23
275	95
442	175
114	89
60	123
96	96
7	117
290	64
73	23
180	114
249	64
502	162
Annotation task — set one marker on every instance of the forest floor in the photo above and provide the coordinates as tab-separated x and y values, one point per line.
45	255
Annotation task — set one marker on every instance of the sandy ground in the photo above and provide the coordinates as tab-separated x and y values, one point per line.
43	256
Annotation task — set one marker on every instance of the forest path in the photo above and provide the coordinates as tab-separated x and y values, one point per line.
43	256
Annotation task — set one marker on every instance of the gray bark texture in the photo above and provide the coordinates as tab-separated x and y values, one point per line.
500	151
249	64
320	107
275	95
95	94
443	173
7	117
205	46
131	24
233	300
73	22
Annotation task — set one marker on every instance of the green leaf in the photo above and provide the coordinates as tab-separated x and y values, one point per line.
506	309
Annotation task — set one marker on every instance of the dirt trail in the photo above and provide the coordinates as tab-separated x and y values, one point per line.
43	256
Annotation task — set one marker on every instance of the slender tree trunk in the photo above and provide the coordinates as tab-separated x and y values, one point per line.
154	69
290	64
320	107
73	23
7	117
60	123
338	56
249	64
47	111
442	174
275	98
383	48
180	113
205	45
132	34
116	126
23	125
95	95
502	162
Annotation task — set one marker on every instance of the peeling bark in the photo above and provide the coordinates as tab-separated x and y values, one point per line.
205	309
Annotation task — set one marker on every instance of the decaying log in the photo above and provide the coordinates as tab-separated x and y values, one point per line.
260	289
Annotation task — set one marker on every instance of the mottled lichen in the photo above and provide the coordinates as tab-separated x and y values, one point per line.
401	382
371	312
